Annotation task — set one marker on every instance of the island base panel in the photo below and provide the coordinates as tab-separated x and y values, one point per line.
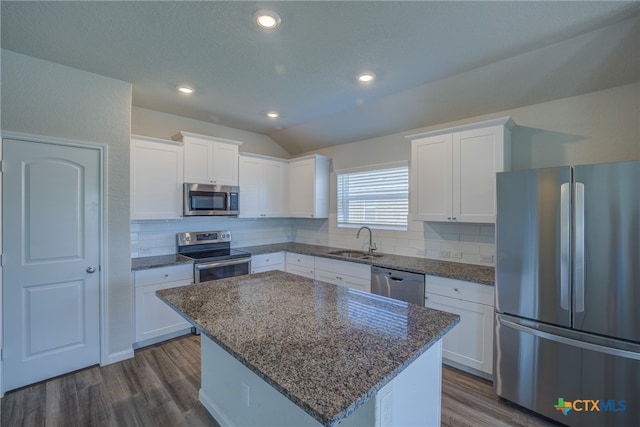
236	396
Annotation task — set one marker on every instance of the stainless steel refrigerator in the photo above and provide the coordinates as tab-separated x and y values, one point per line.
567	330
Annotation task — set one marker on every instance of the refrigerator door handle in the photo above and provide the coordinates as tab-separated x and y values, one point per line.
570	341
565	239
578	265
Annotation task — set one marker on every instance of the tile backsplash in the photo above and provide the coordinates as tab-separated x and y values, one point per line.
456	242
150	238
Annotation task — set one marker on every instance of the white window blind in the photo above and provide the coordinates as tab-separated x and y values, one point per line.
375	197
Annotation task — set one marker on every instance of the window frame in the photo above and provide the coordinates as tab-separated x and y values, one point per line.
364	169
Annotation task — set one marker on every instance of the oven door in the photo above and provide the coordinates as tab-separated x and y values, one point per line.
206	271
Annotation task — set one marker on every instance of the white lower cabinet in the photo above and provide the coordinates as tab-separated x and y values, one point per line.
344	273
267	262
470	343
155	320
302	265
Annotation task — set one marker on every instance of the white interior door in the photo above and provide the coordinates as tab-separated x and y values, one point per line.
51	252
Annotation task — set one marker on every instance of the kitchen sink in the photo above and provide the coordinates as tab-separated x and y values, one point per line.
354	254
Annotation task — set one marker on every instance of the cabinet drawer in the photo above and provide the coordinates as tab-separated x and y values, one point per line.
459	289
301	270
164	274
343	268
265	260
353	282
300	260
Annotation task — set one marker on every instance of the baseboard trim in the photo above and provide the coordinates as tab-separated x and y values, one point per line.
467	369
118	357
214	410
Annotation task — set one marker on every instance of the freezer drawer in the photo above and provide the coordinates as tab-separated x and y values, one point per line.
537	365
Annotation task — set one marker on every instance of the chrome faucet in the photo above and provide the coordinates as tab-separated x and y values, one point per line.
372	246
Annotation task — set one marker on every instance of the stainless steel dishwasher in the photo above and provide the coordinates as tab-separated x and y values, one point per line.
400	285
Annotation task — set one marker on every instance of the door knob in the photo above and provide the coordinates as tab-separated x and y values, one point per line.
91	269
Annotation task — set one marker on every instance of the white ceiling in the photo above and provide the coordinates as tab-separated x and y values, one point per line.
434	61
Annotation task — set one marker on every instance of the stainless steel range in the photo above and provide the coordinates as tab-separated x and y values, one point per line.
212	254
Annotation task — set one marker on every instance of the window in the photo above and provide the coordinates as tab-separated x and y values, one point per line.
377	196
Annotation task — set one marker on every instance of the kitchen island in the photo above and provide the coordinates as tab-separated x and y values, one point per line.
280	349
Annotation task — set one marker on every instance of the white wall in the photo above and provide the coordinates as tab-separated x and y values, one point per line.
592	128
162	125
149	238
41	97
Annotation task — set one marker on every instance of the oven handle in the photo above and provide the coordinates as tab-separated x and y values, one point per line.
202	266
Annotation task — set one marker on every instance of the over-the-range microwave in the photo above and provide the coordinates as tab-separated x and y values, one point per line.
206	199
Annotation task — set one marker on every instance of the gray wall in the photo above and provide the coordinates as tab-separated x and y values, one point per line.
162	125
593	128
41	97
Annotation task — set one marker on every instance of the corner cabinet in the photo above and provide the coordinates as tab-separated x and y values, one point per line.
309	187
267	262
302	265
470	343
209	160
344	273
262	183
453	171
156	178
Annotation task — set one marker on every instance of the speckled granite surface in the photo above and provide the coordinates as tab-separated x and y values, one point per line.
158	261
452	270
327	348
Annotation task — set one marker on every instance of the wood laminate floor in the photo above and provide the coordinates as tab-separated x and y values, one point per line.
159	387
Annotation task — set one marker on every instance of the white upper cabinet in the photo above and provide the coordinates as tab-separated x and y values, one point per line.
262	186
209	160
156	178
309	187
453	171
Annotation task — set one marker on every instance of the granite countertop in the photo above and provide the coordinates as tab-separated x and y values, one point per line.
158	261
452	270
327	348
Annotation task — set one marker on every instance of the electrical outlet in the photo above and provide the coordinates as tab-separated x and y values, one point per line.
486	258
386	409
444	254
456	254
246	395
144	251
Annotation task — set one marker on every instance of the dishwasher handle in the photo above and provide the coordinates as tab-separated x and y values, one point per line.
397	279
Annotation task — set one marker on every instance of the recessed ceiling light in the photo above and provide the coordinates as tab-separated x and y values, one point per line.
185	89
266	19
366	77
273	115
